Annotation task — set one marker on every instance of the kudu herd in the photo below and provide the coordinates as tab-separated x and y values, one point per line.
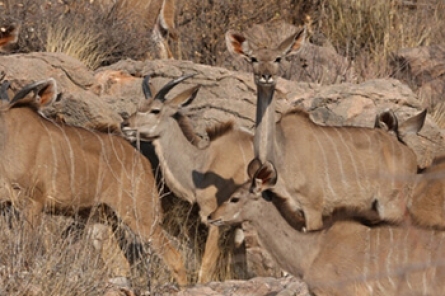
306	188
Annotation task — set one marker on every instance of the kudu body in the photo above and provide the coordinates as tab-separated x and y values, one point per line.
66	169
205	176
324	168
346	259
426	205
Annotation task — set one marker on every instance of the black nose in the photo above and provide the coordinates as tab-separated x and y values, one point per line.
267	76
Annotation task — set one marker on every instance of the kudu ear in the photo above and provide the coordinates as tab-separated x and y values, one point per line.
237	44
412	125
8	35
166	19
45	93
265	177
387	121
292	44
185	98
253	166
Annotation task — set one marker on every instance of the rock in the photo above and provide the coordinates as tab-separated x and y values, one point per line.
259	286
423	69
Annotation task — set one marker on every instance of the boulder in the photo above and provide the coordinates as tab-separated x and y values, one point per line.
423	69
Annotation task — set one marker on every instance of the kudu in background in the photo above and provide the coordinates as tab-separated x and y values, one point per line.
9	35
324	168
345	259
206	175
66	169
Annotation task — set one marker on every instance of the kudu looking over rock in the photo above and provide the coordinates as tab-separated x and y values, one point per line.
346	259
9	35
323	168
206	176
68	169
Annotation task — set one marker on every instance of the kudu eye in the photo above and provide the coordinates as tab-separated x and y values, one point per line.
234	199
278	60
253	60
155	111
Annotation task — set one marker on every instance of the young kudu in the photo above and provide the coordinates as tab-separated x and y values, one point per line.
324	168
346	259
66	169
206	176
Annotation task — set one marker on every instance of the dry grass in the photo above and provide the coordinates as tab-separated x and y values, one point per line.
367	32
78	41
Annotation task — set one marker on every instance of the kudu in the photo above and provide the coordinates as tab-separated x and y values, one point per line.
323	168
346	259
67	169
425	204
206	176
8	36
159	15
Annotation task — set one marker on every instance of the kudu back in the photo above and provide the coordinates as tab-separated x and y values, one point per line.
324	168
345	259
56	167
202	174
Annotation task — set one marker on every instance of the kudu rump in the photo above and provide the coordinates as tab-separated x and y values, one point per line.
68	169
346	259
206	175
324	168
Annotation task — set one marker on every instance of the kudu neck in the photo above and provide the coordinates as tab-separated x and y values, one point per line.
178	159
264	138
293	250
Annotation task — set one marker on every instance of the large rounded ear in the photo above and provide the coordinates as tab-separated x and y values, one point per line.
238	45
292	44
265	177
412	125
387	121
45	93
253	166
184	98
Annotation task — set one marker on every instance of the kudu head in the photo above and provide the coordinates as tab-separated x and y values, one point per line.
148	123
44	93
9	36
265	61
389	122
243	203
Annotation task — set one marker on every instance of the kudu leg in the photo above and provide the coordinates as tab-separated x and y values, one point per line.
210	257
146	224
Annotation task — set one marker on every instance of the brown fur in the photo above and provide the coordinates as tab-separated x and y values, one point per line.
68	169
187	129
220	129
426	205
